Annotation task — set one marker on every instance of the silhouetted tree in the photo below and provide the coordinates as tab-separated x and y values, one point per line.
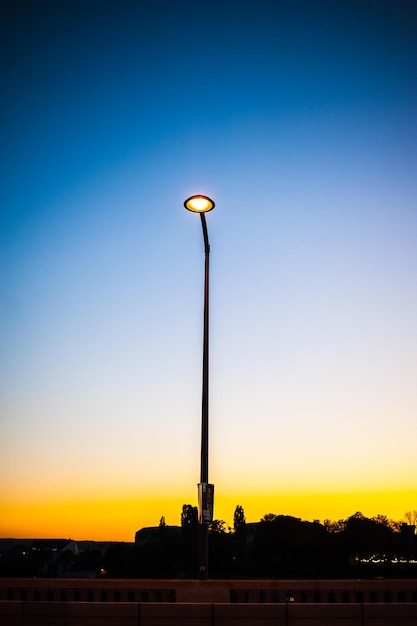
189	535
363	537
411	517
334	527
239	540
239	520
286	546
217	527
189	516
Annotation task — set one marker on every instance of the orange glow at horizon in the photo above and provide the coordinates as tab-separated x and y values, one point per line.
118	520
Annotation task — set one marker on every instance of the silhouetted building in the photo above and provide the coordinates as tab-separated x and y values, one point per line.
144	535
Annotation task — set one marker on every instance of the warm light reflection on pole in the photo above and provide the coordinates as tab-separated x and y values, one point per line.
203	204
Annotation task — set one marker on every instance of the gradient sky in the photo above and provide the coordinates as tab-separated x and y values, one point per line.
300	120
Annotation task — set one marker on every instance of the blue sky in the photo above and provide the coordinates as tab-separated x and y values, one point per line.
299	120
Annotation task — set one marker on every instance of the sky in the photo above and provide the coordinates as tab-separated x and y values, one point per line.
299	120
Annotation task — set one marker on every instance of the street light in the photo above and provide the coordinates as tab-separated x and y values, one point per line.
199	204
203	204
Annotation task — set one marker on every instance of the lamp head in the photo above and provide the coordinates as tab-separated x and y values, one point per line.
199	204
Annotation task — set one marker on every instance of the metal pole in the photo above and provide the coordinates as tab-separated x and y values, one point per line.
203	527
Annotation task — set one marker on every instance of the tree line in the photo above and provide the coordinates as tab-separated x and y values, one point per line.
278	546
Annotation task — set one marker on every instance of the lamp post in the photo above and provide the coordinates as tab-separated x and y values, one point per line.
203	204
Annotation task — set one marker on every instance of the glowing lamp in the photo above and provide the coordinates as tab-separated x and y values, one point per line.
199	204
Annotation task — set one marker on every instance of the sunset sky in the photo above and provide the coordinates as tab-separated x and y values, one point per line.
299	119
